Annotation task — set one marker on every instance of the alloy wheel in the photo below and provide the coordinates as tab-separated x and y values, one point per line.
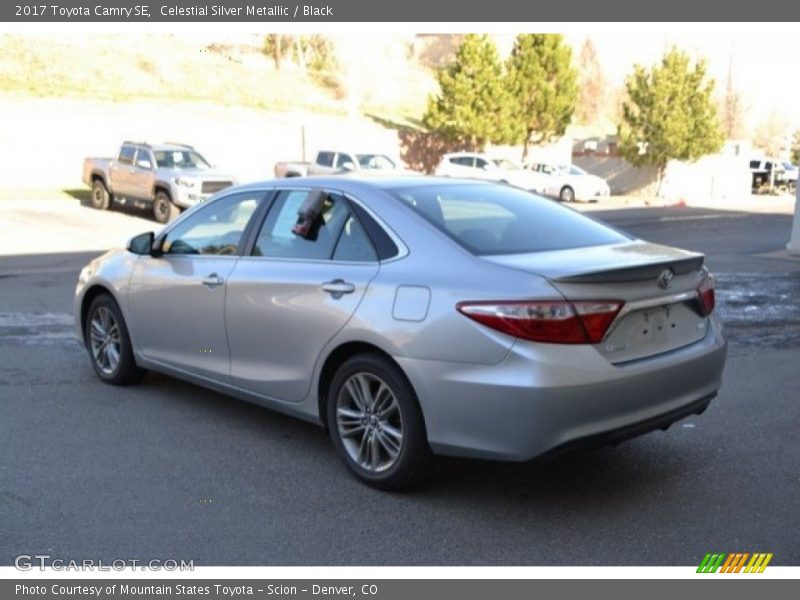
104	339
369	422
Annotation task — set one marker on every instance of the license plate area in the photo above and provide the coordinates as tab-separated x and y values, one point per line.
655	330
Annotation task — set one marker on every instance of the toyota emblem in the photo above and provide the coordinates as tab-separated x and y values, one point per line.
665	278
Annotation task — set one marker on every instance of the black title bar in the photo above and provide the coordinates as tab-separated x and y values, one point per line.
441	11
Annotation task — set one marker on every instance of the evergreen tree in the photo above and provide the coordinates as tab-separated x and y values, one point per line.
669	114
543	88
472	106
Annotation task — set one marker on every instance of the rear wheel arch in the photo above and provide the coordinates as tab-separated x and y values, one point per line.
336	359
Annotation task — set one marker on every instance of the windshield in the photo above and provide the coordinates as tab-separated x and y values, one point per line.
573	170
180	159
378	162
493	219
506	165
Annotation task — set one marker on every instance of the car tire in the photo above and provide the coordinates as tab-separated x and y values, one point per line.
164	210
567	194
375	423
100	199
109	344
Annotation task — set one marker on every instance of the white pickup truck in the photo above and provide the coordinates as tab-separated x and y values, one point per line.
334	162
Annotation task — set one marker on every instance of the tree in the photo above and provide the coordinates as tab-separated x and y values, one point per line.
543	88
472	106
796	148
771	135
592	86
732	108
275	46
669	114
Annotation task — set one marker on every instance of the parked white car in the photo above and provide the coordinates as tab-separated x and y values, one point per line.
569	183
482	166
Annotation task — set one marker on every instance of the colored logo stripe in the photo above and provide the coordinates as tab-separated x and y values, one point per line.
734	562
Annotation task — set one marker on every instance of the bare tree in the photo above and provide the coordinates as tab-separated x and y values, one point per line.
592	85
771	135
732	109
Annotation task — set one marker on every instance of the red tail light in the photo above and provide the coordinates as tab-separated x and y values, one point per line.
705	293
554	322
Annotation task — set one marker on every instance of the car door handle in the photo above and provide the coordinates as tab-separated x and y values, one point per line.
337	287
213	280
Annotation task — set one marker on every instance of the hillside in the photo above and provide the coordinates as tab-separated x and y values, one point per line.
223	70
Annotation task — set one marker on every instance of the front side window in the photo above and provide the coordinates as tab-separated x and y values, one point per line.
379	162
464	161
343	160
337	235
215	229
143	159
493	219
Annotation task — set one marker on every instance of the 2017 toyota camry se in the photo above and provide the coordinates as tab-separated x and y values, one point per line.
412	316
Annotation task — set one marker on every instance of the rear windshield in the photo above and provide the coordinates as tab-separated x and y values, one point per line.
499	219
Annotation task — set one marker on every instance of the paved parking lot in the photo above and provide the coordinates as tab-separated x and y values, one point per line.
168	470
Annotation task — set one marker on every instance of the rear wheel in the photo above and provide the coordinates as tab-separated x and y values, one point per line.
567	194
109	344
100	196
375	423
164	210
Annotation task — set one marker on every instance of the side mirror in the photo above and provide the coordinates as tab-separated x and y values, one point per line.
309	213
144	164
142	244
348	166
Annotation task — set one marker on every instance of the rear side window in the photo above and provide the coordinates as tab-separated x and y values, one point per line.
126	155
339	236
325	159
494	219
354	244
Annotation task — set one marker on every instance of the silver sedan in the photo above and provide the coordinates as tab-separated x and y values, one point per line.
412	316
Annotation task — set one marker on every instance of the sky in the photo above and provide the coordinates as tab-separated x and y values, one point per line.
765	67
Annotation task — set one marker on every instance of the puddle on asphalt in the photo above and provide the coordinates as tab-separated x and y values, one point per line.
760	310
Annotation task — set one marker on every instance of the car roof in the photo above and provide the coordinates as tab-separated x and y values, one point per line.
355	182
164	146
453	154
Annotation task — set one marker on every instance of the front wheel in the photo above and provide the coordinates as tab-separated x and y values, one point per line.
164	210
109	343
375	423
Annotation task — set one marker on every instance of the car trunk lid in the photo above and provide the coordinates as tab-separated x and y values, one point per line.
658	285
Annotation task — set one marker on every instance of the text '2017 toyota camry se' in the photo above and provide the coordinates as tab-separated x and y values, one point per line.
412	316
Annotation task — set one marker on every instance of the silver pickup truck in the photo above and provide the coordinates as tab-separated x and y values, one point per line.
333	162
167	176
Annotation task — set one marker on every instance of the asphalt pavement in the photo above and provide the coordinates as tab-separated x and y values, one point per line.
169	470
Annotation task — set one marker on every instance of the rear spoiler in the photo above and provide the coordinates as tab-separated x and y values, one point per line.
638	272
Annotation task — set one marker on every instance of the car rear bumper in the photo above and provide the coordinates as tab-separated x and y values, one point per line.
543	398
